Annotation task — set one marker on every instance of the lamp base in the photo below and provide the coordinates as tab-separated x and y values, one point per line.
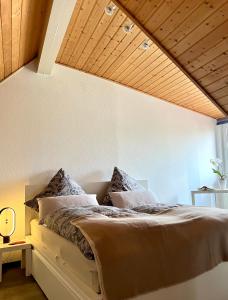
6	239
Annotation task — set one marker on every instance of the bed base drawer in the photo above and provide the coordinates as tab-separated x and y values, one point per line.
55	284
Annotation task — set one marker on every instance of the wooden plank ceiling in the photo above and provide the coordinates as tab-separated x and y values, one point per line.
21	23
193	31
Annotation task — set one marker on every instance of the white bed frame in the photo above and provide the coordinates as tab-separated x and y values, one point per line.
57	285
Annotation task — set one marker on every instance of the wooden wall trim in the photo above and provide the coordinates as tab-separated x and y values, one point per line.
168	54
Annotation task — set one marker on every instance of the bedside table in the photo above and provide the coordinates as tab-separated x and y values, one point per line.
214	192
26	249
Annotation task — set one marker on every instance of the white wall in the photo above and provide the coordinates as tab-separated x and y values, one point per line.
88	125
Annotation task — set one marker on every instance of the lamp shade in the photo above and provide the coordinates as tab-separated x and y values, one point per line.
7	223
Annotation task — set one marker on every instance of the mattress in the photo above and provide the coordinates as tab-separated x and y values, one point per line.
65	254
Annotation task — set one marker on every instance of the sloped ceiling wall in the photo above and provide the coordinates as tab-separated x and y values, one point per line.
186	62
96	43
21	26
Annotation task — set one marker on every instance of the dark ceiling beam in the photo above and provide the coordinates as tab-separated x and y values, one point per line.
222	121
168	54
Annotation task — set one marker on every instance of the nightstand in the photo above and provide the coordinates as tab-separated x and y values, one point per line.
26	249
211	191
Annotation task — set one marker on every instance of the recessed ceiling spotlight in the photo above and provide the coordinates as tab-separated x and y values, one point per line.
145	45
110	9
128	28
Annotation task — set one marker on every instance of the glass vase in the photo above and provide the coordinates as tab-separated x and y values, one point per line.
222	184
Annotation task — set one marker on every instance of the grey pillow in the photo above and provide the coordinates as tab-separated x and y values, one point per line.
60	185
121	182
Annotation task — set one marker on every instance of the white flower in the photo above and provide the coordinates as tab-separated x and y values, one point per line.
217	162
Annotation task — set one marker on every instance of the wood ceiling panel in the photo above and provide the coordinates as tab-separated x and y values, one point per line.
162	13
1	56
81	16
169	84
176	18
226	107
68	44
194	34
156	63
204	29
21	24
192	22
221	92
118	53
101	43
130	65
16	29
90	40
158	77
110	52
211	66
181	98
6	35
209	57
96	43
142	64
154	73
181	87
90	27
218	84
211	39
223	100
214	76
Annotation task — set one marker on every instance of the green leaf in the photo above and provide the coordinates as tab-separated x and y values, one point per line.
217	172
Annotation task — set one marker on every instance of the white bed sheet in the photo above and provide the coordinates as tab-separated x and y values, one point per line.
65	254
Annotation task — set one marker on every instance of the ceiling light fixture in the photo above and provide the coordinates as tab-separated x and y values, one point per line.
145	45
128	28
110	9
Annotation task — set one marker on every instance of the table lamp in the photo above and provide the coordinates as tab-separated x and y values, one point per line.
7	223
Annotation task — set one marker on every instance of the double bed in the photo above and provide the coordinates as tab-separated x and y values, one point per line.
62	271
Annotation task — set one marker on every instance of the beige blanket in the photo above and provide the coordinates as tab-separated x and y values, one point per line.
139	254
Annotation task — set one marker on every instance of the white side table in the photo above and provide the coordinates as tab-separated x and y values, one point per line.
26	249
207	192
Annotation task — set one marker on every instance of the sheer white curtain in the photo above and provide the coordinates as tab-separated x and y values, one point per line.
222	144
222	153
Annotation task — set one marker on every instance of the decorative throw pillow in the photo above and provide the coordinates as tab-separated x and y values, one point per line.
48	205
60	185
121	182
131	199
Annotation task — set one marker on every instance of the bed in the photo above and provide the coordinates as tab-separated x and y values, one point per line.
59	276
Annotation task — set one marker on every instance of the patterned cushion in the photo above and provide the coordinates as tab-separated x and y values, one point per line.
60	185
120	182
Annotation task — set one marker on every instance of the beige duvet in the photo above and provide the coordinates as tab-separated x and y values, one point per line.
142	253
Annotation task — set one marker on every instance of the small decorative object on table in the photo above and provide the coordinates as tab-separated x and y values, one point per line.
7	223
218	169
205	188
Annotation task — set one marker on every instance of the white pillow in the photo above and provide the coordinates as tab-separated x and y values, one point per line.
131	199
48	205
